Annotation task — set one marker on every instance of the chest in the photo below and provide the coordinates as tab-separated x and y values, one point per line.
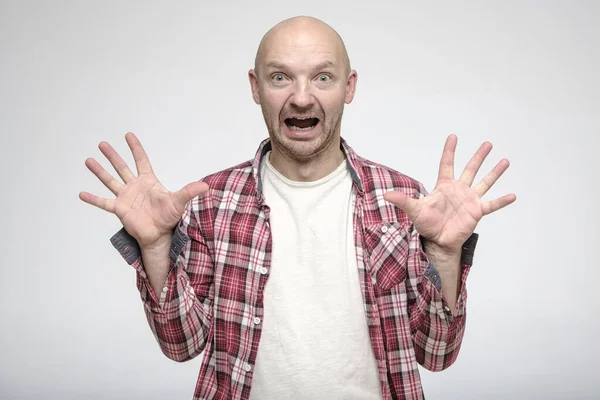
250	242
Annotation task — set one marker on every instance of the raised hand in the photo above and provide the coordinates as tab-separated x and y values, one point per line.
450	213
147	210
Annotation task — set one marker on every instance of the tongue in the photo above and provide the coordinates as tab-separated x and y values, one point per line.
302	123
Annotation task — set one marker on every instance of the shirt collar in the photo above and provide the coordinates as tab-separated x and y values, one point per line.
353	162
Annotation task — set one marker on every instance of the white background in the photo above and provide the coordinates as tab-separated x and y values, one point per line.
521	74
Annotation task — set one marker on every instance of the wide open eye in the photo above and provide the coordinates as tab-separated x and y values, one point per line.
278	77
324	78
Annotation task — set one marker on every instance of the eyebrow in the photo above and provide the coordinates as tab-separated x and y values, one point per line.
322	65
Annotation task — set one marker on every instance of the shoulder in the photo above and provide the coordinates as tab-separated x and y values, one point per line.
227	190
236	181
379	178
237	178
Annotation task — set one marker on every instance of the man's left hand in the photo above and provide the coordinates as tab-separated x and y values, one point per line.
447	217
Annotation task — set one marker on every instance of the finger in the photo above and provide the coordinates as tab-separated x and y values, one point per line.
491	178
474	164
107	179
116	161
406	203
491	206
446	170
189	192
142	162
100	202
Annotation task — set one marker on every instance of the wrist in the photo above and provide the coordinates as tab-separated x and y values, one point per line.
158	245
440	253
447	262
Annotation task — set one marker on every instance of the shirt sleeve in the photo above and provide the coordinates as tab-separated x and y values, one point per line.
180	315
437	331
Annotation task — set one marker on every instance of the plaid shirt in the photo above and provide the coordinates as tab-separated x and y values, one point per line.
212	300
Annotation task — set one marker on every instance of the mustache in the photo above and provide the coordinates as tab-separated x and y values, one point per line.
301	112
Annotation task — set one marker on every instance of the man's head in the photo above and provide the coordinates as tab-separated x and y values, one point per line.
302	79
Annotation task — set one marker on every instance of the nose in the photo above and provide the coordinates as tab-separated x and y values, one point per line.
302	96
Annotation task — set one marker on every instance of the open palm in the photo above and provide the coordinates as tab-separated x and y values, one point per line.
450	213
146	209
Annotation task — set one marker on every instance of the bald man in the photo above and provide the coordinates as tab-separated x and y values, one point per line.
307	272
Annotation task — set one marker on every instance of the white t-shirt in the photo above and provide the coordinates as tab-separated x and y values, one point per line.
315	341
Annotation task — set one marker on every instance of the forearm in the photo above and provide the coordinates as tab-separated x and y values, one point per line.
157	263
437	331
181	315
450	270
178	314
437	334
182	321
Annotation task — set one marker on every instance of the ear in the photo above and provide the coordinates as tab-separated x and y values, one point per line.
351	86
253	77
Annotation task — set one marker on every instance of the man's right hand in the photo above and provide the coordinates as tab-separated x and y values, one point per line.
147	210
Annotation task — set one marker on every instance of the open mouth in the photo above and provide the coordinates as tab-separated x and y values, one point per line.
301	124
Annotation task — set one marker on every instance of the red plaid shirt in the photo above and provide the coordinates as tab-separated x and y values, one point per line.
212	300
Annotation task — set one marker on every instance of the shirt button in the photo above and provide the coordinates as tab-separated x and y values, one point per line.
165	289
248	367
256	320
373	280
447	309
384	229
263	270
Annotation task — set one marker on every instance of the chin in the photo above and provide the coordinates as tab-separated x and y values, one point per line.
302	147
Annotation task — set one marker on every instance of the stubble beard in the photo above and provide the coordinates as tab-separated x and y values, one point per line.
304	151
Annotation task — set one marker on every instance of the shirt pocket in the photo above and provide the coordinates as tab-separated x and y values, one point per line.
387	249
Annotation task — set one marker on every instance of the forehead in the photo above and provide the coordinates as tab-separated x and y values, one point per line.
301	47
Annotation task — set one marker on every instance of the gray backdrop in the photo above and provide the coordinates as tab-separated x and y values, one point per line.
522	74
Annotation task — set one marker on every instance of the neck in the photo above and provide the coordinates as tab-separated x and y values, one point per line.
311	169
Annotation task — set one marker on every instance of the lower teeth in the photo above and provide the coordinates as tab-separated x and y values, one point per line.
296	128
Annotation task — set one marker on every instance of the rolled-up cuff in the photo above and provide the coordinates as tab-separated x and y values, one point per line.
126	245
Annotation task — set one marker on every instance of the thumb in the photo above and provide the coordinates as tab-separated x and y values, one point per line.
188	192
401	200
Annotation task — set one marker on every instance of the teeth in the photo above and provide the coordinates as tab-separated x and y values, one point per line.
295	128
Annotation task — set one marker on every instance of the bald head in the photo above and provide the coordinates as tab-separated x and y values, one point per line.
302	32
